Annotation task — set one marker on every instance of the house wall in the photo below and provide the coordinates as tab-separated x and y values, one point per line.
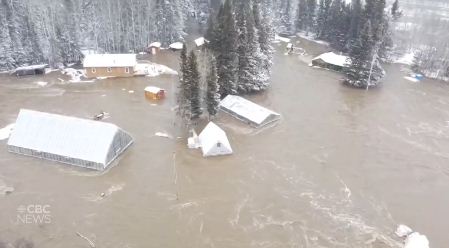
103	72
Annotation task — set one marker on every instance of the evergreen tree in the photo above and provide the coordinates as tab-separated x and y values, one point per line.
226	54
311	14
212	97
322	19
301	16
395	12
195	97
364	70
184	93
265	33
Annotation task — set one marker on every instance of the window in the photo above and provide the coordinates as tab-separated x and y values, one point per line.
126	69
109	69
218	144
94	70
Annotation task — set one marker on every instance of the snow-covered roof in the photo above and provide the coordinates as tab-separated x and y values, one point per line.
200	41
110	60
31	67
153	89
210	137
416	240
248	111
155	44
69	137
177	45
280	38
334	59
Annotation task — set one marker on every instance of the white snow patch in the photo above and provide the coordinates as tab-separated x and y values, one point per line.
280	38
6	131
75	75
110	60
153	70
41	83
406	59
153	89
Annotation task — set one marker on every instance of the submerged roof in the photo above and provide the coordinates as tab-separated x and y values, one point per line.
66	136
210	137
110	60
200	41
247	110
334	59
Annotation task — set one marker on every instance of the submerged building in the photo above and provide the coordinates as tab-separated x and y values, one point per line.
214	141
110	65
80	142
247	111
331	61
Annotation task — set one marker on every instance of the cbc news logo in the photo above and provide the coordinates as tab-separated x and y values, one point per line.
34	214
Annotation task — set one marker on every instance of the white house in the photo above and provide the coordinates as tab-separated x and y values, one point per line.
213	141
81	142
247	111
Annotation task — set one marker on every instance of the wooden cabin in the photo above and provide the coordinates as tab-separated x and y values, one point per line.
109	65
154	93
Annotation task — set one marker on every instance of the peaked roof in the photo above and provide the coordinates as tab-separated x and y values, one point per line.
244	109
110	60
334	59
210	136
66	136
200	41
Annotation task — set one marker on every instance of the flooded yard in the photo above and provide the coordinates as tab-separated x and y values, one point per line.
342	168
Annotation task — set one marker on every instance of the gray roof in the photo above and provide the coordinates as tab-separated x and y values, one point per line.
71	140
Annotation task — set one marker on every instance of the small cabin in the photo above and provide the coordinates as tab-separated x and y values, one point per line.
30	70
331	61
200	42
214	141
154	47
154	93
109	65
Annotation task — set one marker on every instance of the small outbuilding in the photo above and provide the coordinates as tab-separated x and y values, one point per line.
80	142
247	111
331	61
154	93
200	42
176	46
109	65
30	70
214	141
154	47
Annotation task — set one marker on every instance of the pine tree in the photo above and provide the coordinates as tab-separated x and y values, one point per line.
184	93
322	18
195	97
311	13
265	33
301	16
212	97
227	55
395	12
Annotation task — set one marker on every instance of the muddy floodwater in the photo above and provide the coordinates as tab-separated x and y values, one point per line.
342	168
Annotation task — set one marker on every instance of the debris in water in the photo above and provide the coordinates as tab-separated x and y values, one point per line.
163	135
42	84
4	189
131	92
92	244
101	116
6	131
403	231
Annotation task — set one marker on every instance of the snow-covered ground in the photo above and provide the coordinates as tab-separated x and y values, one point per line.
311	37
406	59
76	76
153	70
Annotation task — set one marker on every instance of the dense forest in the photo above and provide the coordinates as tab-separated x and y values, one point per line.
56	31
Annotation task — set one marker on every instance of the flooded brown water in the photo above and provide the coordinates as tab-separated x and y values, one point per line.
341	169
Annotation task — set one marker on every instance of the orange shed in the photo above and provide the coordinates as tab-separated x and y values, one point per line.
154	93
